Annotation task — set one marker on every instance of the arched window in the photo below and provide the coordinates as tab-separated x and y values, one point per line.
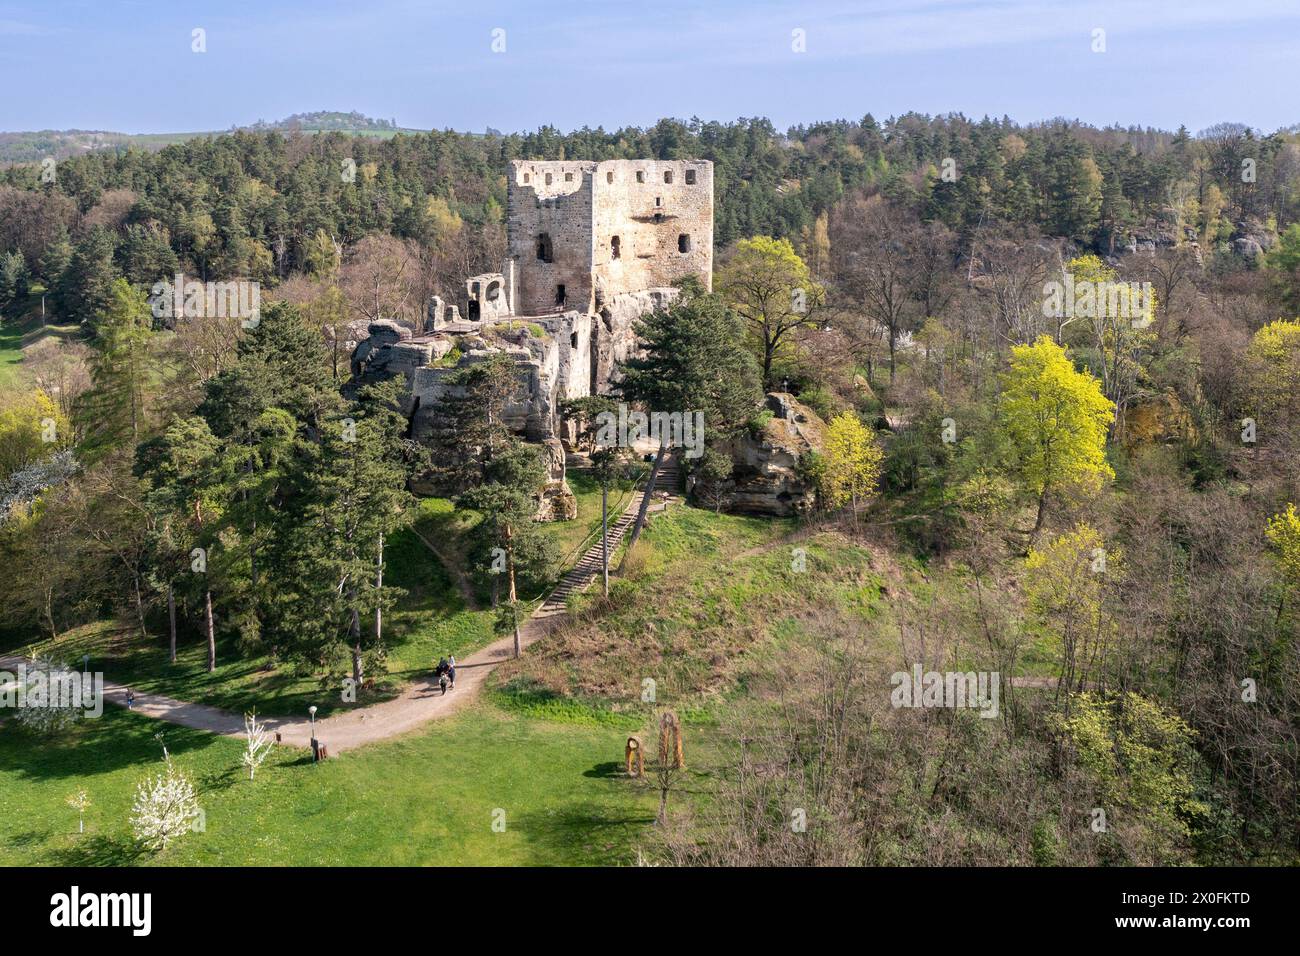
615	248
544	251
684	243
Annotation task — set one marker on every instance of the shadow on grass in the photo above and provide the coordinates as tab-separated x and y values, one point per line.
114	741
29	838
99	851
583	836
606	770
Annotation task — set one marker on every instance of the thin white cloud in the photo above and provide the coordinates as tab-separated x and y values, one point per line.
17	28
759	33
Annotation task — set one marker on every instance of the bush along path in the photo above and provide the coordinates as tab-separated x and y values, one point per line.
422	699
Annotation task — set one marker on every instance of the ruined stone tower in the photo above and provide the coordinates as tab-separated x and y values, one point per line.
592	247
582	233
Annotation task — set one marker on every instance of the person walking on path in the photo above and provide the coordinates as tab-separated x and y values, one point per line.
451	670
130	699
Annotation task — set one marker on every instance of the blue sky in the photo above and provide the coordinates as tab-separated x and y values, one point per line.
127	65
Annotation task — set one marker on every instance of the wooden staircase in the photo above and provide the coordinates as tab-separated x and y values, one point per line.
581	575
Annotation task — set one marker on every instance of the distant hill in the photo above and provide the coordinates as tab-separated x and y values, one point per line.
32	147
328	121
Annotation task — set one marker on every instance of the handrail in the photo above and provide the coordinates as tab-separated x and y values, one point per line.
582	546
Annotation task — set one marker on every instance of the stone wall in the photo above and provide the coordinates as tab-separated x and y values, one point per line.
560	210
608	228
655	213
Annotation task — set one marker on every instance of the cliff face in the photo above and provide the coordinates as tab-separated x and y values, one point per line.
766	479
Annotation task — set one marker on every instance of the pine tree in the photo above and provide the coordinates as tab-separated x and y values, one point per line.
122	370
182	468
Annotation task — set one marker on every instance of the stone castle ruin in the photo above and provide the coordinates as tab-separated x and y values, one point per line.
592	246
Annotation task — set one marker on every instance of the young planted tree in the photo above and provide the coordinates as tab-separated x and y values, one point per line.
80	801
257	743
165	808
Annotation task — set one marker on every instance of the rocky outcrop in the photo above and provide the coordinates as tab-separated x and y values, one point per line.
1252	239
766	479
558	502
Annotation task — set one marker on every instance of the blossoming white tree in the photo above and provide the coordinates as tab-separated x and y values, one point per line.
79	801
258	743
165	806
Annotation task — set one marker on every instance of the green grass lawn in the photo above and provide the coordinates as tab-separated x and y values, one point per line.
424	799
11	354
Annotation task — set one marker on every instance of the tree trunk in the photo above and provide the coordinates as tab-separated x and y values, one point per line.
379	590
212	634
604	536
1042	512
354	631
49	613
139	609
171	617
513	597
645	504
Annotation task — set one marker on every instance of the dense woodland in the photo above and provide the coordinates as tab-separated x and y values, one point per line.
232	486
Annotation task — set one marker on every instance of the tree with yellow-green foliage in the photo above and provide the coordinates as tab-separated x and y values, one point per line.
1283	534
1138	761
1056	419
1067	582
766	283
1274	356
850	462
1119	315
31	428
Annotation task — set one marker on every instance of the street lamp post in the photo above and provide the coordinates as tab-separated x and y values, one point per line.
315	747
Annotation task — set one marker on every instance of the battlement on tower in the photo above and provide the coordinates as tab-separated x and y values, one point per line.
581	233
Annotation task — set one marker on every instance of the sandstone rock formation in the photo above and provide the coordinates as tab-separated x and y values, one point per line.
767	479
